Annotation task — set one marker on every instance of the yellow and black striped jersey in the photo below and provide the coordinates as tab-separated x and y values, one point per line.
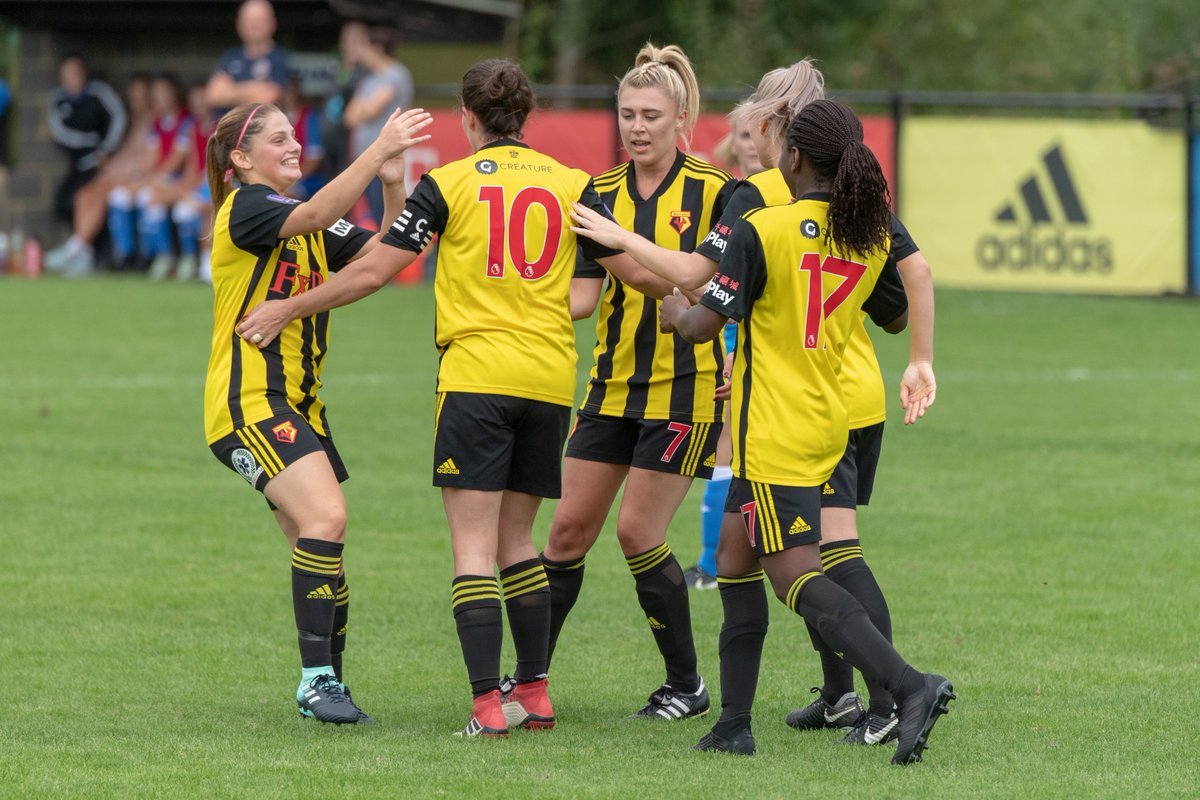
250	264
861	380
640	372
506	256
797	305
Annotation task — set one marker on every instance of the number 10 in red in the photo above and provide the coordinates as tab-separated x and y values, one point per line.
513	229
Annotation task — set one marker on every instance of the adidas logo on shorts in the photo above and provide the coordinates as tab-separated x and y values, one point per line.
322	592
448	468
711	461
799	526
828	490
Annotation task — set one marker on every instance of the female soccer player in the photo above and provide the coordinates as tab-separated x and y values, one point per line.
780	95
738	152
649	419
263	418
506	379
796	278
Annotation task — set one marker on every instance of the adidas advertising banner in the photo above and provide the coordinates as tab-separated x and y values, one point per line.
1047	205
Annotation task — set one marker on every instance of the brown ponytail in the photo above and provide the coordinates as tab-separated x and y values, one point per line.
232	133
499	95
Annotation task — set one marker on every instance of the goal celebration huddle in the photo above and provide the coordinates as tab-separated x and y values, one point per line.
670	249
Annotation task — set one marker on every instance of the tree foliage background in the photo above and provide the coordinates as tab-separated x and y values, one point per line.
1002	45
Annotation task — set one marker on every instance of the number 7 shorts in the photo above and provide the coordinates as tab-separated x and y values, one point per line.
680	447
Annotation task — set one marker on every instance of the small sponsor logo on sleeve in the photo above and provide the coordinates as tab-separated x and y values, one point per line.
278	198
340	228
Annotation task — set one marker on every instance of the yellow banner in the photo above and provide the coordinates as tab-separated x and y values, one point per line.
1047	205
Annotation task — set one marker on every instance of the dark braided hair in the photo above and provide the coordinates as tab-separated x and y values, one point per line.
831	137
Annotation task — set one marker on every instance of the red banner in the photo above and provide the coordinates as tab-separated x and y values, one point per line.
588	140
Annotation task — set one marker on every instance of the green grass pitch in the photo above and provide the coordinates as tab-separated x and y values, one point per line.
1036	535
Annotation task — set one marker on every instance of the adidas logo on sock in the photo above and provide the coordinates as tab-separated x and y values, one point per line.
828	490
711	461
799	526
655	625
322	592
448	468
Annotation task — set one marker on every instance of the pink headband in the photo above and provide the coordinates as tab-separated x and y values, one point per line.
229	172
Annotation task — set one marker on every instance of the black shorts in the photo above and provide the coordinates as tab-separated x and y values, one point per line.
777	517
260	451
853	478
493	442
680	447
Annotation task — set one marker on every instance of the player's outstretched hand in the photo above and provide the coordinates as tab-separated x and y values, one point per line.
673	306
721	395
596	227
401	132
264	322
918	390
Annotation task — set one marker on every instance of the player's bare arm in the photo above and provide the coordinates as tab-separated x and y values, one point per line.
328	205
687	270
696	324
918	386
358	279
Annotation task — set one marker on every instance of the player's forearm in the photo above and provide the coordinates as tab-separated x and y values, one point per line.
335	198
631	273
918	286
699	324
685	270
394	198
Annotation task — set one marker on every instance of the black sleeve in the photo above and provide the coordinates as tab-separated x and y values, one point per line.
739	197
343	240
741	276
256	217
902	244
425	214
887	300
589	251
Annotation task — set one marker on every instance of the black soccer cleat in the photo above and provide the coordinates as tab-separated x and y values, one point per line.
917	714
669	703
846	713
874	729
363	718
324	700
742	744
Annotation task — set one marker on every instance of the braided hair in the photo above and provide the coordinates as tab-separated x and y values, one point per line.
831	137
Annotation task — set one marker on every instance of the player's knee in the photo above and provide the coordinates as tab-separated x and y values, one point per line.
329	524
635	539
570	537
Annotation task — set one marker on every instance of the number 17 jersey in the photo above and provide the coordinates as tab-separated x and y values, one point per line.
506	256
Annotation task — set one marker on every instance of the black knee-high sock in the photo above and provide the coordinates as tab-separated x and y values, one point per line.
476	603
527	600
341	624
741	643
663	595
316	564
565	579
837	675
844	624
844	564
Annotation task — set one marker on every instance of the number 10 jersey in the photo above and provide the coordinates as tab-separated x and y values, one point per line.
506	256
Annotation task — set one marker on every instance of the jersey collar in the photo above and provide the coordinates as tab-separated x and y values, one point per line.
823	197
668	179
505	143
